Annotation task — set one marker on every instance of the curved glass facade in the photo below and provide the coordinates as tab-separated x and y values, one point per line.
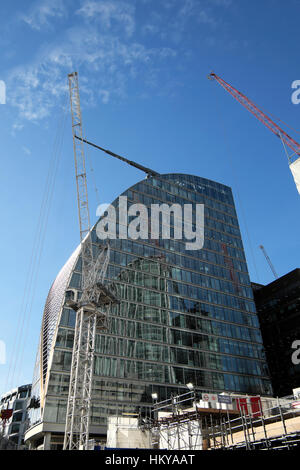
183	316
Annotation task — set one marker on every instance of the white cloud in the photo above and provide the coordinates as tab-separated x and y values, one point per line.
105	63
105	48
17	126
150	29
33	90
182	17
109	13
26	150
104	96
43	11
222	3
195	10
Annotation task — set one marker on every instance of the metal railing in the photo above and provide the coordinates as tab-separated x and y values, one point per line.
272	426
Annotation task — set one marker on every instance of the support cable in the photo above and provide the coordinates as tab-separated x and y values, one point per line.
89	159
32	273
229	159
41	242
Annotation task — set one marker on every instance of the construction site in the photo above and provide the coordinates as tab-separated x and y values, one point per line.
245	423
195	420
253	423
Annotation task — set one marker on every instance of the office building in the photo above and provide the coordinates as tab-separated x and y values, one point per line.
184	316
278	308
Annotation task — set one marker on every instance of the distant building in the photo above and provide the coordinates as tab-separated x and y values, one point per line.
17	400
184	316
278	308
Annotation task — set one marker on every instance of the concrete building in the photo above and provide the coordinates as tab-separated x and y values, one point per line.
17	400
278	308
183	316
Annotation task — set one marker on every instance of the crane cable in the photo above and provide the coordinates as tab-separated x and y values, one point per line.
20	336
229	159
33	263
278	119
92	172
43	234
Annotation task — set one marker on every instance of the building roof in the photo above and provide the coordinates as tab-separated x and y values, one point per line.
284	283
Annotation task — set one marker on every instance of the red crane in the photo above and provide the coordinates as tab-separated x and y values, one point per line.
287	140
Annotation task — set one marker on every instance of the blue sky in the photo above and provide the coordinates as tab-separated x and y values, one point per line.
143	67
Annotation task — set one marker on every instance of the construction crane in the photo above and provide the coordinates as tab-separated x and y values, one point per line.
92	306
269	261
146	170
287	141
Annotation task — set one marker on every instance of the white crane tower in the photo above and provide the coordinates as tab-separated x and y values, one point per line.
92	306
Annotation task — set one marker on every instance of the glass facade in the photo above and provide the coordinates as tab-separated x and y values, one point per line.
278	308
183	315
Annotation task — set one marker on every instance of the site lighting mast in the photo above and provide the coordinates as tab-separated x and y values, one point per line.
92	306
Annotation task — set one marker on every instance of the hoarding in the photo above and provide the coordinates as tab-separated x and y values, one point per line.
212	397
225	399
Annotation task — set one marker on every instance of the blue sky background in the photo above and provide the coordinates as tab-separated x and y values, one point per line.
143	67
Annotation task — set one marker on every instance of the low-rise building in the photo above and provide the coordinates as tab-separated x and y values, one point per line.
16	400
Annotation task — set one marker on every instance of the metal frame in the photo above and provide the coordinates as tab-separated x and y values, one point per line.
93	306
261	116
255	424
180	431
78	410
269	261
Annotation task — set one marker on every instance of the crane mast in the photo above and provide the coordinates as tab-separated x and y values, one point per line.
80	173
92	306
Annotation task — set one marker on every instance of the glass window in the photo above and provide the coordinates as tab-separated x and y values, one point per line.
18	405
50	412
17	417
15	428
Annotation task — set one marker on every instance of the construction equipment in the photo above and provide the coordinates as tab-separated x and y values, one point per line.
146	170
93	306
287	141
269	261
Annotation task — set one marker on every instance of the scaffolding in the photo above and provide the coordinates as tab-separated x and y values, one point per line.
178	423
271	424
182	432
272	427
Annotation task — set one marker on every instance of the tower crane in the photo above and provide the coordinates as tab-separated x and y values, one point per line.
93	305
92	308
269	261
287	141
